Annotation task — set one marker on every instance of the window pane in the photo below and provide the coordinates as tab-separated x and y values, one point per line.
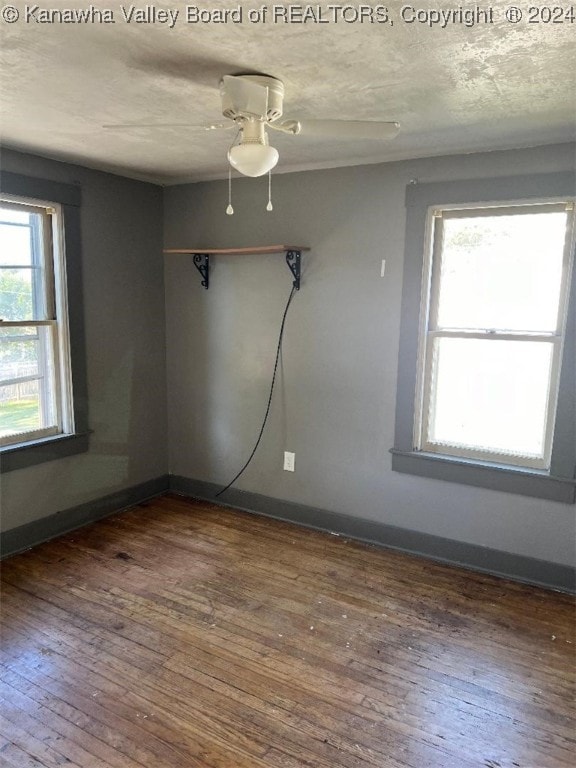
15	332
20	408
490	395
17	294
22	290
19	356
26	405
14	215
502	272
15	244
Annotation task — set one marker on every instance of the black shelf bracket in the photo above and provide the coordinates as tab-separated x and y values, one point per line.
202	264
293	261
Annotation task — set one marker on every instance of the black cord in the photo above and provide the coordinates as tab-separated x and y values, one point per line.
278	350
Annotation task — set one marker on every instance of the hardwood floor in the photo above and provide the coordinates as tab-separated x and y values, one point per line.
183	635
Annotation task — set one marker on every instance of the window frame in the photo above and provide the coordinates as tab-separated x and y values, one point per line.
556	483
66	199
429	329
53	323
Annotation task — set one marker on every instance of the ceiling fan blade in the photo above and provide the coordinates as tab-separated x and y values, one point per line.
371	130
248	97
189	126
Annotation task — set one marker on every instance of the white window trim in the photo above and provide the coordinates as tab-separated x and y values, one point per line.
55	288
62	353
428	332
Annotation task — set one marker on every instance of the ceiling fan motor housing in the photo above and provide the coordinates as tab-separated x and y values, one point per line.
234	107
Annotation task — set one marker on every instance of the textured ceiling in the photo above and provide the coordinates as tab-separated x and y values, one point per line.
453	89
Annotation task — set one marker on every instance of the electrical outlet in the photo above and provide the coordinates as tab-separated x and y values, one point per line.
383	268
289	459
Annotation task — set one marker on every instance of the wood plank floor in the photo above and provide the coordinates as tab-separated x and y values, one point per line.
183	635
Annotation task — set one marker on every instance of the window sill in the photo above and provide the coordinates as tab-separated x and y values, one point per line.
28	454
498	477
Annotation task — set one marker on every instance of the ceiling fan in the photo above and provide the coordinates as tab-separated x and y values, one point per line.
254	103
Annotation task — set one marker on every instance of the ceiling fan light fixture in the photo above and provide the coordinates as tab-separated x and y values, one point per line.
253	156
253	159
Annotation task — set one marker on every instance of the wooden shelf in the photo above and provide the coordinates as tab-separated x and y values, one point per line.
239	251
202	257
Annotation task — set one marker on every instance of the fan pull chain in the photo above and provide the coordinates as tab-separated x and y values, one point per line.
229	209
270	207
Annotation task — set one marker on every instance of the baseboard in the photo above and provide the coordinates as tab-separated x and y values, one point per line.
26	536
492	561
528	570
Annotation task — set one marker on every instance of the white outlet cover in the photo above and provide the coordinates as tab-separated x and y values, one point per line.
289	459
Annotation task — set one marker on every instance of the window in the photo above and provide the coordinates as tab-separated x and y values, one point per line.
487	365
35	391
493	322
43	414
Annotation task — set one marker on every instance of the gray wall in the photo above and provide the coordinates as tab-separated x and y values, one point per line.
335	401
125	343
